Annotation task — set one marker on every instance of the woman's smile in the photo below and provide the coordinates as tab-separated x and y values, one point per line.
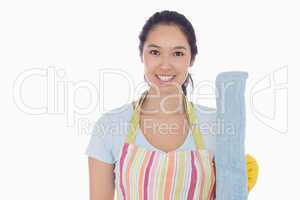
163	79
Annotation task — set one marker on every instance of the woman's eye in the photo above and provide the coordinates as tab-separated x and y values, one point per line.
154	52
178	53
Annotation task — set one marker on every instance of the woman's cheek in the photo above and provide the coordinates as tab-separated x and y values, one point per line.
148	60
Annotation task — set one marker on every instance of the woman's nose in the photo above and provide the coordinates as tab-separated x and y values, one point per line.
165	61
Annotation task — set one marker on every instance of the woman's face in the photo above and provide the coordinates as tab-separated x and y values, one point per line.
166	58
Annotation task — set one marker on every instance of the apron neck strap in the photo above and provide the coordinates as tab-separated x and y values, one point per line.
191	116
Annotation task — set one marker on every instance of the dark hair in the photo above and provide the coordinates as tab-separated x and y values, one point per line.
167	17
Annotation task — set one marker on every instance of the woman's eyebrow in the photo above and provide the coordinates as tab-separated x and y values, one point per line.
156	46
179	47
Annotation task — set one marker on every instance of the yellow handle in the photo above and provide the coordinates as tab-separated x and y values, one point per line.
252	171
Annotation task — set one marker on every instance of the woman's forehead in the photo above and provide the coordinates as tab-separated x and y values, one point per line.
166	36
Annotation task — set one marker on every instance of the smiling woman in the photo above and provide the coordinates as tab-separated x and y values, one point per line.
168	48
176	165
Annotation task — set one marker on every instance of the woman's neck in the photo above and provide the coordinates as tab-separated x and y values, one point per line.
163	103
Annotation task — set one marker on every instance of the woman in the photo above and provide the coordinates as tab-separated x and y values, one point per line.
160	155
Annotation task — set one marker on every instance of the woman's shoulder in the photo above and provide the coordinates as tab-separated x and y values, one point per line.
112	120
108	132
119	113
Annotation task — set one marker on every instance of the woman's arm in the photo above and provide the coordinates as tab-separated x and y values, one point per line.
101	180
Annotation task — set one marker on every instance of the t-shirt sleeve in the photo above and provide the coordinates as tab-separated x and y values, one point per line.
100	143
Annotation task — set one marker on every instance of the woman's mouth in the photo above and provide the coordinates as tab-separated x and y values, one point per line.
165	78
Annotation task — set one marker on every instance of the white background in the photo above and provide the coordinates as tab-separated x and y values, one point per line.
42	155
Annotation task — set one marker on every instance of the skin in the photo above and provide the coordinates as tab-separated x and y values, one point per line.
101	180
166	51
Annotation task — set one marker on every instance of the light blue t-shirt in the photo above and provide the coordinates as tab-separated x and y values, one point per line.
111	129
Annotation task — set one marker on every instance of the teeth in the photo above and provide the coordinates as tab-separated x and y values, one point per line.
165	78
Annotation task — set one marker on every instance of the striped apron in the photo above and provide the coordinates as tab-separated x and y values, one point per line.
154	175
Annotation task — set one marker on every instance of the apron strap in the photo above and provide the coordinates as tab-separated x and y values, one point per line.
134	122
192	119
193	122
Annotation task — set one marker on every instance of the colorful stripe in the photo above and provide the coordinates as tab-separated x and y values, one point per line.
156	175
201	188
128	169
153	179
180	177
169	178
124	151
193	178
147	176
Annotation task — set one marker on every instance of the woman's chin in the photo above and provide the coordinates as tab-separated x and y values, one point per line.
167	89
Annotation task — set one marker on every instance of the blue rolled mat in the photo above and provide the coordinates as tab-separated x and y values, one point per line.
231	174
